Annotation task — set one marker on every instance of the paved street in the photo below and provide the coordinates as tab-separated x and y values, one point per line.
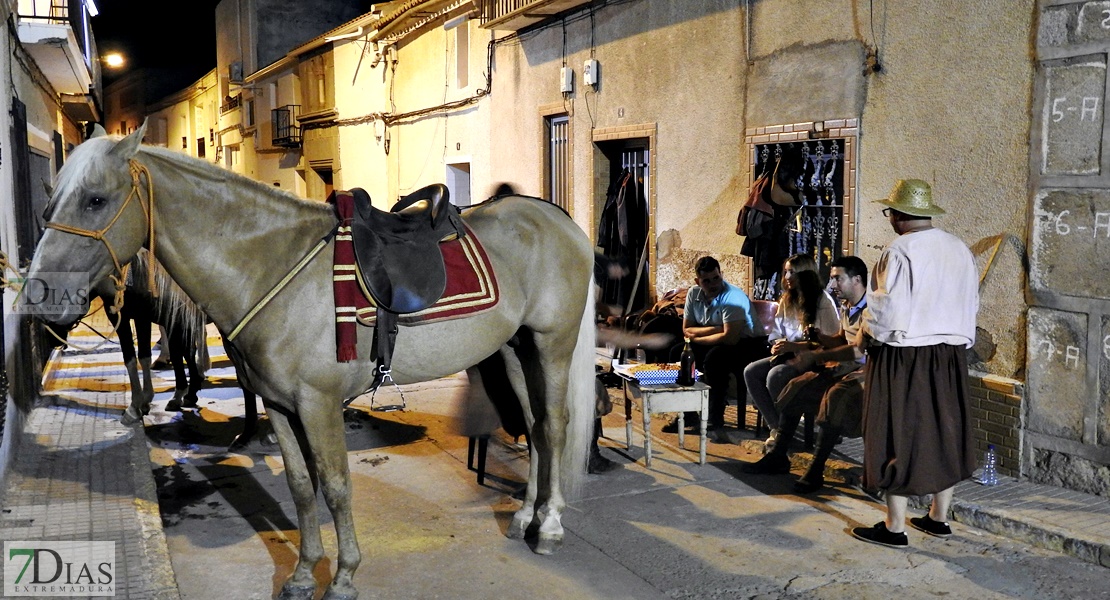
677	531
198	523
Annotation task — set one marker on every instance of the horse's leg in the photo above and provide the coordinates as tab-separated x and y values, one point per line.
143	324
250	421
561	377
184	357
300	472
523	517
323	424
544	493
134	411
196	380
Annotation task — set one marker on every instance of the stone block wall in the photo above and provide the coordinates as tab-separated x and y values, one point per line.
1066	439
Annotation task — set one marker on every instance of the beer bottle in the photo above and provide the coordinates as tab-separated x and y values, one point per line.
686	373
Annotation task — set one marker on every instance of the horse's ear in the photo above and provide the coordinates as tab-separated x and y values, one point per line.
97	131
129	146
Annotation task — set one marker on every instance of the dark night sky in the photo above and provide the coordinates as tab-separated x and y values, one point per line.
179	35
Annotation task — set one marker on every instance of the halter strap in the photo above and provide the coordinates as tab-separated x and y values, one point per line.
138	171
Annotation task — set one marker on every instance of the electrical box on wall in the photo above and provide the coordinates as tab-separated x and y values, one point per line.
589	72
566	79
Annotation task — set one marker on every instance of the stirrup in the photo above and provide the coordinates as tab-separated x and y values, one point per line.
383	374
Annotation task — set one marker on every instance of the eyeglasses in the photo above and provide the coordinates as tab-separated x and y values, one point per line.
887	211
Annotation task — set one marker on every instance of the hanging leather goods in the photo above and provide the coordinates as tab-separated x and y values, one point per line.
780	194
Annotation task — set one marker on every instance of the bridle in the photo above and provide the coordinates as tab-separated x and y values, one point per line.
119	278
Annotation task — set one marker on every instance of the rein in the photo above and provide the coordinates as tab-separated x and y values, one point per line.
284	281
120	276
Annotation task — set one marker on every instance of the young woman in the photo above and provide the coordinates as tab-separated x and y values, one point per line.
803	304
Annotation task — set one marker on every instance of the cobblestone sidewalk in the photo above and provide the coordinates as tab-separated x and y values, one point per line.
78	474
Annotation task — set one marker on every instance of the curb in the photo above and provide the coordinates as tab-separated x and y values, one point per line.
163	581
993	519
1058	540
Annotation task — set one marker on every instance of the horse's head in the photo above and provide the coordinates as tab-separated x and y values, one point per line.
96	221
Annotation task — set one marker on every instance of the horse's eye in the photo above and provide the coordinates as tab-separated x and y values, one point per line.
95	203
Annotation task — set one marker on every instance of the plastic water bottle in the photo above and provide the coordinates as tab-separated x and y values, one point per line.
989	475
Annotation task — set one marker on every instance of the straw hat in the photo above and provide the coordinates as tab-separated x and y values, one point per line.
913	197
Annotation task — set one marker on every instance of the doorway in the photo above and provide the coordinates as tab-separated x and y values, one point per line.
623	220
458	183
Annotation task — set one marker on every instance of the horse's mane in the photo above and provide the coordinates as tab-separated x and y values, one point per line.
172	307
211	172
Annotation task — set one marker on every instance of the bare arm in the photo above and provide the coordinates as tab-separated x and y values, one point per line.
712	335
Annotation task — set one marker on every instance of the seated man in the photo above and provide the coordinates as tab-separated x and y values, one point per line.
835	389
717	320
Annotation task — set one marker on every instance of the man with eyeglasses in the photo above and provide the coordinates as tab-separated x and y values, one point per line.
919	322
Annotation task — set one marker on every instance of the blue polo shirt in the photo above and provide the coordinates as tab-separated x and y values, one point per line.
730	306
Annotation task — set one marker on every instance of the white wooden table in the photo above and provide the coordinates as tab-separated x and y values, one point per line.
656	399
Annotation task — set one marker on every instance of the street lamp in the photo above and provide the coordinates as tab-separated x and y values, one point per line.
114	60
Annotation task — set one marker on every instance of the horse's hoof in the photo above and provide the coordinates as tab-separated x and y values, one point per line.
238	445
547	544
130	416
517	529
336	595
297	592
173	405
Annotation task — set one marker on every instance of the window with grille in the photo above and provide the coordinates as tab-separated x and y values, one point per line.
558	161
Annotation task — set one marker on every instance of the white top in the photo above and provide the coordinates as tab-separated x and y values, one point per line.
923	291
788	326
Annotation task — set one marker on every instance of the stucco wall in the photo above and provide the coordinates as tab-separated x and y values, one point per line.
424	76
954	112
653	73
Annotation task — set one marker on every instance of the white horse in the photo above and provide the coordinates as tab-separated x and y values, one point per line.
228	241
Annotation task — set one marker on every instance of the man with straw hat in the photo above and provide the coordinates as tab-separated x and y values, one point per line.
920	318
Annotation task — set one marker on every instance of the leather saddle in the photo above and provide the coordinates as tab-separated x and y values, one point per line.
397	251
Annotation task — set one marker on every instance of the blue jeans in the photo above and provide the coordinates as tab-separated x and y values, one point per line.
765	383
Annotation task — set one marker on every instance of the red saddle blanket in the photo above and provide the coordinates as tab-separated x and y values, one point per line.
471	285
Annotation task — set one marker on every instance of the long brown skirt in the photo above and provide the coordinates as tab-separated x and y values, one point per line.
917	419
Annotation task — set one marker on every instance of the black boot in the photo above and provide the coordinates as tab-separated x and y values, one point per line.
776	461
598	463
814	479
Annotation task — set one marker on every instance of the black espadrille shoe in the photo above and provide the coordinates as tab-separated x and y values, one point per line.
879	534
939	529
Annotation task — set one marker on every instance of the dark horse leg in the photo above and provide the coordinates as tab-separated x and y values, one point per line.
141	392
250	409
182	356
250	421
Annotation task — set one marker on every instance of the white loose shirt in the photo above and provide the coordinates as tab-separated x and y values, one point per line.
923	291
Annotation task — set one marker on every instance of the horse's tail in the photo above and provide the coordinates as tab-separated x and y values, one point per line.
581	404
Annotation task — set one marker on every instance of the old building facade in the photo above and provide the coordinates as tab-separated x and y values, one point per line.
684	104
51	91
